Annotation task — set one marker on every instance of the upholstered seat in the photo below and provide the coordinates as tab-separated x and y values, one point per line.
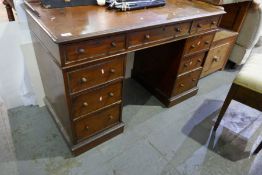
250	75
249	34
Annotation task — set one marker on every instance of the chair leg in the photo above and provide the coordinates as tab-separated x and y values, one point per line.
258	148
227	101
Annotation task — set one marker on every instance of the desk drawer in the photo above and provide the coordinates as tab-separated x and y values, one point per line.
97	122
186	82
95	75
190	63
96	99
204	24
140	38
181	29
198	43
95	48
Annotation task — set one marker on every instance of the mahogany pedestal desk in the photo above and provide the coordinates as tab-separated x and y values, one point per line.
81	54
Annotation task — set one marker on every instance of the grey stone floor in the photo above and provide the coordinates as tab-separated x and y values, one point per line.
156	141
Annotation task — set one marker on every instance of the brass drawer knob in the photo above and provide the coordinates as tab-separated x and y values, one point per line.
199	25
113	44
85	104
181	85
111	94
81	50
193	46
216	58
178	29
87	128
147	36
112	70
83	80
213	22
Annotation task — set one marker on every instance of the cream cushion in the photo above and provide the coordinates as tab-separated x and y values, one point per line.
249	34
250	75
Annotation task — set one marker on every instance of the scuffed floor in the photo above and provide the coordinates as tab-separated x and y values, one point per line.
156	141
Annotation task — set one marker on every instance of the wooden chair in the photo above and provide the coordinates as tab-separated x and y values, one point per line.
246	89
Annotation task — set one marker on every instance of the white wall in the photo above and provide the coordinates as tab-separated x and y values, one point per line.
20	82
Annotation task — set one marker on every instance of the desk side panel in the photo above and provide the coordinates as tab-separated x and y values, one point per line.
53	82
40	33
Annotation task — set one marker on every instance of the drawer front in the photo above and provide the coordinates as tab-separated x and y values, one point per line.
190	63
140	38
97	122
216	57
198	43
186	82
181	29
94	100
95	48
204	24
96	75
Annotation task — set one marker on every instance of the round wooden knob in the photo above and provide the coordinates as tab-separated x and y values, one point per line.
112	70
194	79
87	128
83	80
113	44
80	50
193	46
199	60
85	104
181	85
178	29
110	117
207	42
111	94
216	58
147	36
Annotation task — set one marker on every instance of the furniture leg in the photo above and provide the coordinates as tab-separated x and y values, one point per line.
258	148
229	97
9	11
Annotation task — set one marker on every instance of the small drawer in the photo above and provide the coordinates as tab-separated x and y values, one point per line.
198	43
190	63
97	122
142	37
186	82
216	57
96	75
182	29
96	99
204	24
95	48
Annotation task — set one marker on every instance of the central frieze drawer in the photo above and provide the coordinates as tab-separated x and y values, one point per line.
95	48
149	36
97	122
96	99
96	75
205	24
198	43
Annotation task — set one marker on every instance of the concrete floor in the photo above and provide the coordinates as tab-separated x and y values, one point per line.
156	141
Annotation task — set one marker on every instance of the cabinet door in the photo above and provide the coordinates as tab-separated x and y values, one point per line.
216	58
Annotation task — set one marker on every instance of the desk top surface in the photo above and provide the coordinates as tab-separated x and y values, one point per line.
76	23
